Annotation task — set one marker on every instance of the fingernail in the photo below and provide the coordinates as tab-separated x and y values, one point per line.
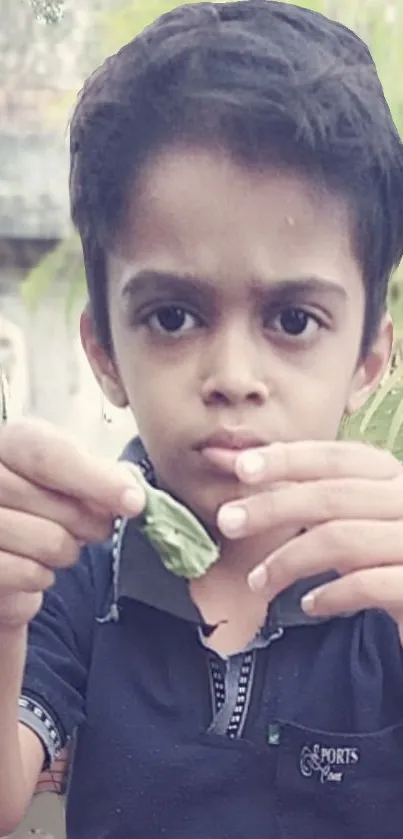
132	500
232	520
251	463
257	579
308	602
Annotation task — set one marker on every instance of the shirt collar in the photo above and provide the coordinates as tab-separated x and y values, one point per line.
140	575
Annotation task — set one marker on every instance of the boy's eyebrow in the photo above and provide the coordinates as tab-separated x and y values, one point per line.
152	280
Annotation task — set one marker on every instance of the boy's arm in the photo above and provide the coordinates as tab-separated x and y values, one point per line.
53	498
42	703
21	750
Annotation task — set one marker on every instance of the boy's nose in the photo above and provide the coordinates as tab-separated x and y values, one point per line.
234	375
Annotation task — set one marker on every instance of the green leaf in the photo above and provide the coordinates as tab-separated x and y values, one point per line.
395	427
183	544
381	421
391	382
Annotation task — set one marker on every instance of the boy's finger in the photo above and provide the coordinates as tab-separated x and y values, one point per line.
310	503
86	525
41	540
374	588
48	458
339	546
314	460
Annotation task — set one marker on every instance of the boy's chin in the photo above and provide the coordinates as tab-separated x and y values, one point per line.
204	498
205	502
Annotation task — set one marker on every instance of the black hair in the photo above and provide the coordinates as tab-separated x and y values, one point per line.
271	83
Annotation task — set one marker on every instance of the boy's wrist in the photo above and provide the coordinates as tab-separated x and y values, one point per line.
12	636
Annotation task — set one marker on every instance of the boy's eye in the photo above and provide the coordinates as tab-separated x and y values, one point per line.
296	322
172	320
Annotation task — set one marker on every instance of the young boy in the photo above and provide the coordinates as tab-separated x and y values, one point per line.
237	183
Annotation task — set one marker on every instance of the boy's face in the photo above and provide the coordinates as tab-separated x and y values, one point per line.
237	310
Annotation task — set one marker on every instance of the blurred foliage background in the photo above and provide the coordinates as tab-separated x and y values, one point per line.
380	23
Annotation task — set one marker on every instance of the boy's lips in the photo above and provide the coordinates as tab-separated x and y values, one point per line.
222	447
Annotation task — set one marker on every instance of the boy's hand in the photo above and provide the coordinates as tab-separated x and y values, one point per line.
347	498
54	498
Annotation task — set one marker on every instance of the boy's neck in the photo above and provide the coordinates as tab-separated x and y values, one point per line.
239	557
224	597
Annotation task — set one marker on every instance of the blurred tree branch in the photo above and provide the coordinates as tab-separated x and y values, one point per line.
50	11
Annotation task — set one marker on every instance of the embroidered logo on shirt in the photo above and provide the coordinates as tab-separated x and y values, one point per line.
327	763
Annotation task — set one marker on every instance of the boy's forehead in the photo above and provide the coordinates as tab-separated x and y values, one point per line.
201	216
187	174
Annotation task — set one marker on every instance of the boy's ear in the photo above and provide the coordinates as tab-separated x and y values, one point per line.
102	365
370	370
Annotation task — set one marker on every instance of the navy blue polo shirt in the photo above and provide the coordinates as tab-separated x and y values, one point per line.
300	736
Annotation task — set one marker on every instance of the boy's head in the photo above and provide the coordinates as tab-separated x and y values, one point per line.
237	183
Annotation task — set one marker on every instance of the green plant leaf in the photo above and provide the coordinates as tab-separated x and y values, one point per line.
381	421
185	547
391	382
392	442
